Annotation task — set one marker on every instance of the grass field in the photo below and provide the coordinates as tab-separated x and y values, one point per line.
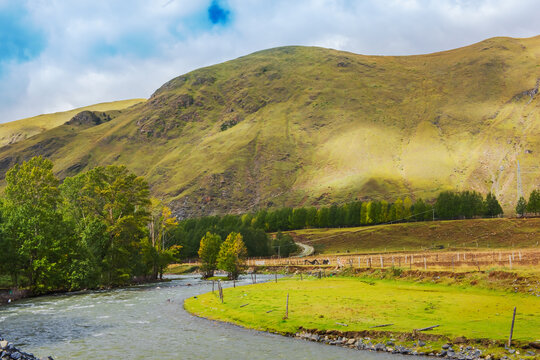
328	303
476	234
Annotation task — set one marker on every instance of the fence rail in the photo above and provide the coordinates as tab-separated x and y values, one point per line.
417	260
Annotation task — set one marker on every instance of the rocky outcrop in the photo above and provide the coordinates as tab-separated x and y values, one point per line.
8	351
89	118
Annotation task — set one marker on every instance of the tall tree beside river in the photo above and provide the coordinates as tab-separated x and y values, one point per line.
36	243
111	207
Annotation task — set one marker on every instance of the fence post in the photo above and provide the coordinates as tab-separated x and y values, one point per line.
382	264
286	308
512	328
510	261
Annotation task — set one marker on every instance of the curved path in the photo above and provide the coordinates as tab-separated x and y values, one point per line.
306	250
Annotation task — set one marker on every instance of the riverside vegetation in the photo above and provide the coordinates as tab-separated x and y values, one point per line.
97	229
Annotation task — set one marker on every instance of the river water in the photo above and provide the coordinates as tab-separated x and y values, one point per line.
147	322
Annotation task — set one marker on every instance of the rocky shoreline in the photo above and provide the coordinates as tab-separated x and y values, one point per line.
418	348
8	351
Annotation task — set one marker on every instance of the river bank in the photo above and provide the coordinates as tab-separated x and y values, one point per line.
381	315
8	296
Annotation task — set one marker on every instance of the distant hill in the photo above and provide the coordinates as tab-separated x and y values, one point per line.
18	130
305	125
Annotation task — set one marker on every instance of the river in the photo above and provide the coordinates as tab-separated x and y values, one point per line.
147	322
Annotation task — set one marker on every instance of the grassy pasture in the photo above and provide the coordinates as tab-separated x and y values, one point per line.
328	303
477	234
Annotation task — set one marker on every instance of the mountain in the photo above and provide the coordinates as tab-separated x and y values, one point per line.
305	125
12	132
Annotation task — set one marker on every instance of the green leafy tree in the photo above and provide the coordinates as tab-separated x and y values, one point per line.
447	205
284	244
399	209
407	208
419	209
521	207
323	217
36	238
161	221
384	216
533	206
298	219
364	213
491	206
353	212
471	204
116	201
231	255
259	221
208	253
311	217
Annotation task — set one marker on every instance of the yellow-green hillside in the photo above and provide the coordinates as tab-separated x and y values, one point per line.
18	130
306	125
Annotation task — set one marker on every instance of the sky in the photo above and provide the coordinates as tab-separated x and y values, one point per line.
57	55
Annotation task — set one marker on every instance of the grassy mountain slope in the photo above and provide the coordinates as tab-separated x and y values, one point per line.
18	130
306	125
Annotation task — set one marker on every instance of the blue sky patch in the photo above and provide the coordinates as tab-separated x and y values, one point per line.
20	41
140	44
218	14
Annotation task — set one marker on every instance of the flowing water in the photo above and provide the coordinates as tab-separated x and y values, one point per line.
146	322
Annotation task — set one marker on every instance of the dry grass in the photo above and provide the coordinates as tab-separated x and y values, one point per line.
443	235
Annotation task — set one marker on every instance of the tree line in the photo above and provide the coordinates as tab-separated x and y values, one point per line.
254	227
532	206
189	232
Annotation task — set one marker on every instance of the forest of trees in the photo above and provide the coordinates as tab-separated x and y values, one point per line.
90	231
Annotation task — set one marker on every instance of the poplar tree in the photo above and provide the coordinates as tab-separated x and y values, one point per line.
521	207
231	255
208	253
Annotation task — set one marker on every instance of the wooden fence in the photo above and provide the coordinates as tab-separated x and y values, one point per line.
418	260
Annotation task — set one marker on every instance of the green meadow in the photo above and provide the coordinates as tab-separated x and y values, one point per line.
356	304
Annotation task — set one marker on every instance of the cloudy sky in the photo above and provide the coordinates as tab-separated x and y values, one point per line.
61	54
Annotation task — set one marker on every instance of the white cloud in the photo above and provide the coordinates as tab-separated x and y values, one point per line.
95	50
